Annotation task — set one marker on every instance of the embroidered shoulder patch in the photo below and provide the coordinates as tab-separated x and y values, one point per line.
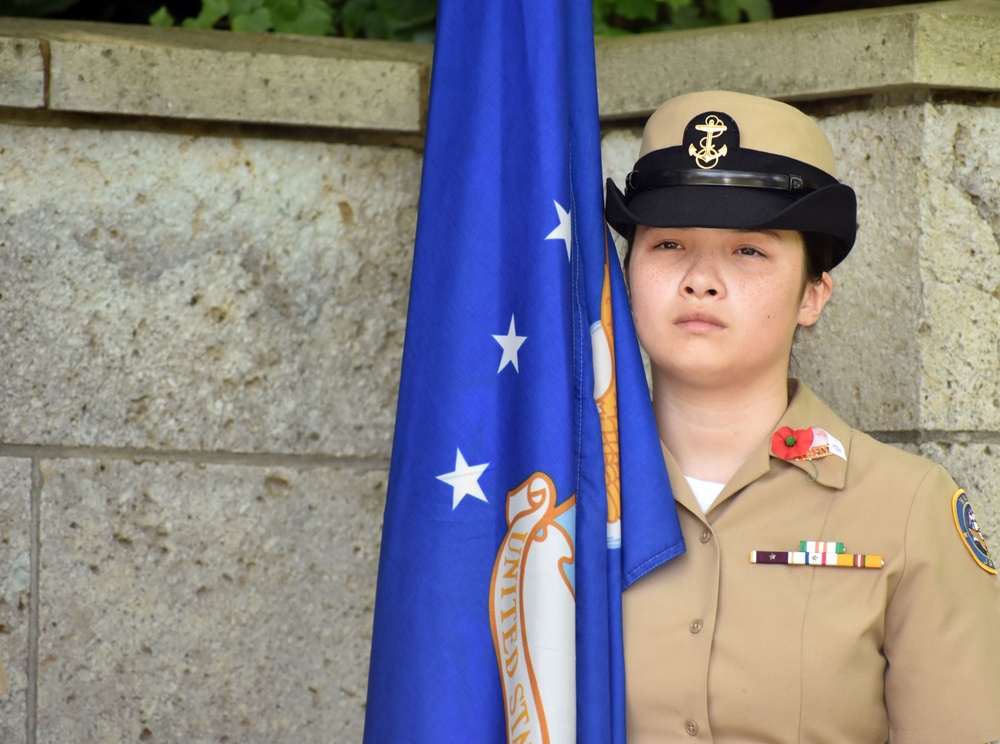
968	528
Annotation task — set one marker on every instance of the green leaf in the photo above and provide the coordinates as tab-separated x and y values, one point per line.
310	22
690	17
637	10
601	9
243	8
603	30
283	11
352	15
162	18
729	11
676	5
374	26
412	33
757	10
211	12
256	22
400	14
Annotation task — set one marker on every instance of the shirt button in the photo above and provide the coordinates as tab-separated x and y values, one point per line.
696	627
706	536
691	727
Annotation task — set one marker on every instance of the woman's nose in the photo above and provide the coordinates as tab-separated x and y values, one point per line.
702	278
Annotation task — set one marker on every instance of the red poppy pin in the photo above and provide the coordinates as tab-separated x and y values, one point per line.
791	444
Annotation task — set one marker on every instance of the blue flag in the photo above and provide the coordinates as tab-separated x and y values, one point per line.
527	486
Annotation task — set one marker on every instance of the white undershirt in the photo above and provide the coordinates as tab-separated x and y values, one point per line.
705	491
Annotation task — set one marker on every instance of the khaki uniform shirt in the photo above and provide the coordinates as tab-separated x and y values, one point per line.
718	649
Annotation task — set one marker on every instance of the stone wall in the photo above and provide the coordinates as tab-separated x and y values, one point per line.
205	244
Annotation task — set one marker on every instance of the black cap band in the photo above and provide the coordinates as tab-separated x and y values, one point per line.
640	180
757	190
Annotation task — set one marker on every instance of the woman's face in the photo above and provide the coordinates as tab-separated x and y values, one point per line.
719	307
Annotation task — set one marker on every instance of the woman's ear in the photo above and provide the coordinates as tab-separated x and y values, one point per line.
814	299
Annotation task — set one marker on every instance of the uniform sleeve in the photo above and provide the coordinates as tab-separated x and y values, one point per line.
942	634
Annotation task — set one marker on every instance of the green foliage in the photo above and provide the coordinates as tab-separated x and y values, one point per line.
413	20
613	17
400	20
309	17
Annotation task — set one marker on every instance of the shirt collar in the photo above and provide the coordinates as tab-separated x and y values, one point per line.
805	411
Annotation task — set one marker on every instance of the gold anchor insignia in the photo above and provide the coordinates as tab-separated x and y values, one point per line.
708	157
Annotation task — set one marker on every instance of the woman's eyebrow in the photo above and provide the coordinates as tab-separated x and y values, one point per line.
758	231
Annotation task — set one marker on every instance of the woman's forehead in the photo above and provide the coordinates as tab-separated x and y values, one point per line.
737	233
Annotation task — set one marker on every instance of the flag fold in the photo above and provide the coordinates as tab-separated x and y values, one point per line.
527	486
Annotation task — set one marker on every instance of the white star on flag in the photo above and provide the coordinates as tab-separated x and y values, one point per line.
464	480
510	344
565	229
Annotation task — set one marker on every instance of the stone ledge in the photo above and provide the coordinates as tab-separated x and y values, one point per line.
940	45
380	86
215	75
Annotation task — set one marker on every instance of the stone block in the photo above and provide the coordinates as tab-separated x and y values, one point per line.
960	263
201	293
15	594
960	389
955	45
936	45
192	602
863	357
22	72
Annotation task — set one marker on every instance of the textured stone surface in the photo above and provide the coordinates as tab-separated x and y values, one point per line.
960	263
15	592
909	341
955	45
863	356
940	45
202	293
184	602
22	72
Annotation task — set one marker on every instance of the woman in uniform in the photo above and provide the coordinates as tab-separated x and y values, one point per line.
834	589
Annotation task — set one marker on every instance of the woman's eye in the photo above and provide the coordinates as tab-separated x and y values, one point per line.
668	245
749	250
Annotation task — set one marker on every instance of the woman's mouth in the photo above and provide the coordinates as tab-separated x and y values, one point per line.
699	322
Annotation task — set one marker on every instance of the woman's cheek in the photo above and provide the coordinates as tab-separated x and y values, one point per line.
644	317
